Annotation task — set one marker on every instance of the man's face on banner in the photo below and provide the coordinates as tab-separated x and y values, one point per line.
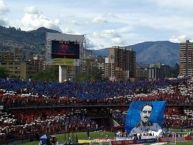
146	113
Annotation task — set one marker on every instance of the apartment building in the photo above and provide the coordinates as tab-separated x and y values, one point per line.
186	58
120	64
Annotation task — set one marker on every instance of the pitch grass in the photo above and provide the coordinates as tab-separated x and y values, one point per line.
80	135
94	135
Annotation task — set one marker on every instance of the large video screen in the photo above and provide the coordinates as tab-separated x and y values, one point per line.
65	49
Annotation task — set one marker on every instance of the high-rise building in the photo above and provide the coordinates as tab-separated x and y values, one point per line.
142	71
121	63
18	68
186	58
158	71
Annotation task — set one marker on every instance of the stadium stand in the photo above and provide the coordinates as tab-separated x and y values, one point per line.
63	107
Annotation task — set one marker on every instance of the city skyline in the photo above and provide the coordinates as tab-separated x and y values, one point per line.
105	23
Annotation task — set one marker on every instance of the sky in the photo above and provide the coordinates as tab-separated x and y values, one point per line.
105	23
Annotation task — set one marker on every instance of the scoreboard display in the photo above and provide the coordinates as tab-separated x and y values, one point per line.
65	49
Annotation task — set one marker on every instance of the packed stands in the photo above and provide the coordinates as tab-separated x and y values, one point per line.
50	96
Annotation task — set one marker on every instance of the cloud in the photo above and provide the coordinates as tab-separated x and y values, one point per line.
112	22
33	19
99	20
179	39
110	33
3	8
106	38
32	10
89	43
166	24
175	4
3	22
106	34
118	41
3	11
68	30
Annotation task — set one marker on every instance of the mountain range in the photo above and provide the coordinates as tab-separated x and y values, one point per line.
33	42
164	52
26	42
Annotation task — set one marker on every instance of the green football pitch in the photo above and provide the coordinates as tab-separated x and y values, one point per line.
93	135
79	135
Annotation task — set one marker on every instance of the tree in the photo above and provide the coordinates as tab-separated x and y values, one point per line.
90	74
3	72
175	70
50	74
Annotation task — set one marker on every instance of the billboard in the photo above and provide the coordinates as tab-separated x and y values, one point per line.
65	49
145	117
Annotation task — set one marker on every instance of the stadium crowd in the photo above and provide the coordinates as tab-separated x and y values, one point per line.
15	93
68	92
44	121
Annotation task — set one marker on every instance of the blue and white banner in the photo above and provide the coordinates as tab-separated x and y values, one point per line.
145	117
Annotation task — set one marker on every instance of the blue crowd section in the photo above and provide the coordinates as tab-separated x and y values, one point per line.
133	115
84	90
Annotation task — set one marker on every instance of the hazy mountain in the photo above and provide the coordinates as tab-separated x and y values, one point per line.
152	52
157	52
33	41
102	52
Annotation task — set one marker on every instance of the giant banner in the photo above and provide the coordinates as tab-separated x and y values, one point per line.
145	117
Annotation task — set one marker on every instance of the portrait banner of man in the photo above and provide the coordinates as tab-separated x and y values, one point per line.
145	117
